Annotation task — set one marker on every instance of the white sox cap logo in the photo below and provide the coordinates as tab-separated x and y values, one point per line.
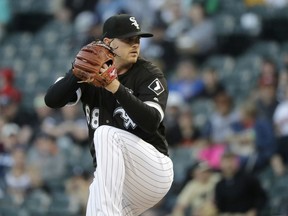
134	22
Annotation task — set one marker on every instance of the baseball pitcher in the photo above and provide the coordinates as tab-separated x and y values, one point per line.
124	99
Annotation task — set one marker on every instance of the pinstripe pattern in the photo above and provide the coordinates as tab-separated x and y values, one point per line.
131	175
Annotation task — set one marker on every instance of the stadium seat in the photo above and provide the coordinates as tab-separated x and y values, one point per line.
223	64
60	205
30	6
225	24
284	47
265	48
201	109
9	211
182	158
9	51
233	7
262	11
247	69
60	212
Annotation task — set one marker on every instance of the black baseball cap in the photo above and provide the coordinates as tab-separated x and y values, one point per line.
123	26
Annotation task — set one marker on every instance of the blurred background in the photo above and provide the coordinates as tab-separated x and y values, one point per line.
226	63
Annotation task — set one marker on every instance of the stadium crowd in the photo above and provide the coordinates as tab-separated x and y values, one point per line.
226	63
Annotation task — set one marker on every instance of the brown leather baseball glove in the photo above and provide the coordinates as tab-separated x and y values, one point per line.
90	59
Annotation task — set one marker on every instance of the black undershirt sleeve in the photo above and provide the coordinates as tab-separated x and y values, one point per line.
146	117
62	92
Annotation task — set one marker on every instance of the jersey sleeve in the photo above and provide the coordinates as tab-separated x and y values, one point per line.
64	91
145	116
154	93
147	103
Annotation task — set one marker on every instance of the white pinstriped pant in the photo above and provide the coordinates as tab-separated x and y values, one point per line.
131	175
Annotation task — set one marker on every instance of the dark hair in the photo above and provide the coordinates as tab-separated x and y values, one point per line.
228	155
200	4
46	136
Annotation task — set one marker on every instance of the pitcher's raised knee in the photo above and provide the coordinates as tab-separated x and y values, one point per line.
104	134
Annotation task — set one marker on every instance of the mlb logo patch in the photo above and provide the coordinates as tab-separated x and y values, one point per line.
156	86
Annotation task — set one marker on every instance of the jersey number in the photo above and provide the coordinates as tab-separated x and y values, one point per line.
93	118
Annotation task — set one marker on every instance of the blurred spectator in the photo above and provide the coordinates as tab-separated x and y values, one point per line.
268	3
45	117
237	193
197	195
190	133
83	26
70	125
174	106
10	105
277	3
252	3
251	24
267	98
75	7
177	22
211	153
175	102
184	132
268	70
280	120
77	188
211	6
212	84
8	142
7	87
12	112
274	179
217	128
283	83
161	50
252	139
277	166
145	10
5	16
200	38
186	80
8	108
46	157
18	178
107	8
